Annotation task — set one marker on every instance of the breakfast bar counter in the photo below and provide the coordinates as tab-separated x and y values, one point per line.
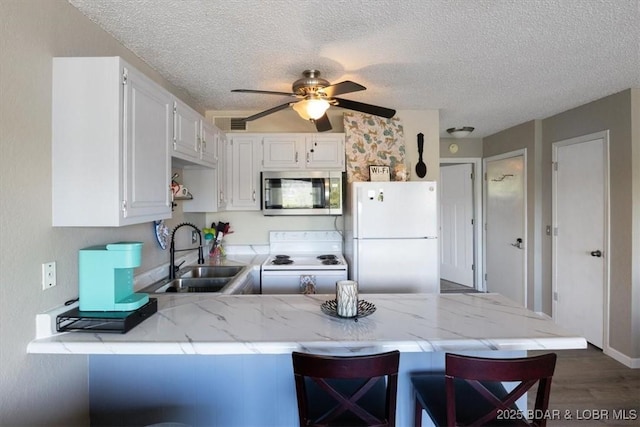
280	324
225	360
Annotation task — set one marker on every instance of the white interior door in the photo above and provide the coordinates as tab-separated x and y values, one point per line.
506	253
580	235
456	223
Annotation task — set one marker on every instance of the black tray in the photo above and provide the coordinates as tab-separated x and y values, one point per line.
365	308
104	321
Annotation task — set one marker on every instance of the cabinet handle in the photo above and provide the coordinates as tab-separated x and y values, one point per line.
307	157
175	124
253	196
296	157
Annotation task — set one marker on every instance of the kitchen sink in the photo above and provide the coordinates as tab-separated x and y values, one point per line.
198	278
211	284
211	271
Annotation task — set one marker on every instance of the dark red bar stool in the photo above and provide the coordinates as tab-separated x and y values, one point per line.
346	390
470	392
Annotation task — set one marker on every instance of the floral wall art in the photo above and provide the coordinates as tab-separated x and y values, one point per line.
373	140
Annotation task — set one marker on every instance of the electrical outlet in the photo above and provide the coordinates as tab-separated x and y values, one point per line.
194	236
48	275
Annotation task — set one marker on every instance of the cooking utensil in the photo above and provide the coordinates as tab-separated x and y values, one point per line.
421	167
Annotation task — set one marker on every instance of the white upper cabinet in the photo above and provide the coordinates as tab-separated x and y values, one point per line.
325	151
194	138
208	185
283	151
244	173
224	160
294	151
111	132
209	140
186	132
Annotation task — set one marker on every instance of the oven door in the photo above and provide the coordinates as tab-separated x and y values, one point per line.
292	281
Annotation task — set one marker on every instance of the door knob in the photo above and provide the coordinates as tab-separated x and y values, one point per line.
596	253
518	243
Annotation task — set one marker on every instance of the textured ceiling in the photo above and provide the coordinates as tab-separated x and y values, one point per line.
489	64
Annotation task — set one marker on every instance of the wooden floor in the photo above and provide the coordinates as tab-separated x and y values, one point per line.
447	287
590	388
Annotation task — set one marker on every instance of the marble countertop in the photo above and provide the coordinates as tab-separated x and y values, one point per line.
279	324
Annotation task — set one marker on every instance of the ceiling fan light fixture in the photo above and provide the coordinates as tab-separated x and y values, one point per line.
460	132
312	108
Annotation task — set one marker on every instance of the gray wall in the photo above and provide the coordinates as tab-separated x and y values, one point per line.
613	113
467	148
40	389
620	114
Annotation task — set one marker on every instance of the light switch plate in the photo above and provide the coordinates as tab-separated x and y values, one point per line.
48	275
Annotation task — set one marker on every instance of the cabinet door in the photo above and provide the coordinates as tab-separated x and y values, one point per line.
282	152
208	145
186	132
325	152
224	161
245	176
146	150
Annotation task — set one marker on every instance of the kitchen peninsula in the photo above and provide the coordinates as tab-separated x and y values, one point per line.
225	360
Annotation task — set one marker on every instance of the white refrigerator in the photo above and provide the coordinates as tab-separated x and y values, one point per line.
391	236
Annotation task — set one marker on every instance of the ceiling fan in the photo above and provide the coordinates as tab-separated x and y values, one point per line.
316	96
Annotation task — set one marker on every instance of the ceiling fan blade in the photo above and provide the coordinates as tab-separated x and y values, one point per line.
266	92
323	124
365	108
267	112
343	87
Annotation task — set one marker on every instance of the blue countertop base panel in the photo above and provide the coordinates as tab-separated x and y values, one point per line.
226	391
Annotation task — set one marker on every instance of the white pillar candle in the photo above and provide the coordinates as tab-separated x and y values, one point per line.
347	298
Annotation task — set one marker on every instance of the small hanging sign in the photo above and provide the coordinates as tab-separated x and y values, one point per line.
379	173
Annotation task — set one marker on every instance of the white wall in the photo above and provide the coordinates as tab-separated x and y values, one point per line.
39	389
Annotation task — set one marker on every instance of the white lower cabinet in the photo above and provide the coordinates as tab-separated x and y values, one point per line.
111	131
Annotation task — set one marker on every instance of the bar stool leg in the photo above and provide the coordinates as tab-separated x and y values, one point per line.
417	416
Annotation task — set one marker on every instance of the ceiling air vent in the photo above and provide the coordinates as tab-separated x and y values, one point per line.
230	123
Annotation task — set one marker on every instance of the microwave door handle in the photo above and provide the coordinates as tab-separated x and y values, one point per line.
327	196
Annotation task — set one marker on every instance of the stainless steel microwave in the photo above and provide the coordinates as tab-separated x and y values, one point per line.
302	193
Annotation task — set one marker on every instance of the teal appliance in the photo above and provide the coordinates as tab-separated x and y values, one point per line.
106	277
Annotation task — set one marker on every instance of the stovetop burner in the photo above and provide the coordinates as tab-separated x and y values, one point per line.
282	261
330	261
327	257
282	257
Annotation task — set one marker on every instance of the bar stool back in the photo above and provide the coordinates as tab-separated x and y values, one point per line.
346	390
471	392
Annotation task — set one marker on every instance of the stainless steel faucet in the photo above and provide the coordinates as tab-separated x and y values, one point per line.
173	250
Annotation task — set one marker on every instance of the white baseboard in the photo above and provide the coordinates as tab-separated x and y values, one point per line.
631	362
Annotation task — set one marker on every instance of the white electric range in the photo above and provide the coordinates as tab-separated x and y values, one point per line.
303	262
